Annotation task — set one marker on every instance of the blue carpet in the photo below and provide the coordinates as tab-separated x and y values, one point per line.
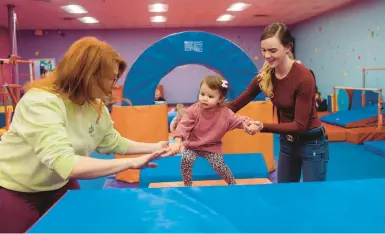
351	162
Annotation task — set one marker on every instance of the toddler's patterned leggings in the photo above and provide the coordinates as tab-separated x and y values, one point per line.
215	160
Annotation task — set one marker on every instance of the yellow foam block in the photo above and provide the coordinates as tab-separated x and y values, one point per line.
210	183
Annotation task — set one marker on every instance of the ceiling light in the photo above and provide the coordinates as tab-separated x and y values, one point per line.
225	17
158	7
239	6
74	9
158	19
88	20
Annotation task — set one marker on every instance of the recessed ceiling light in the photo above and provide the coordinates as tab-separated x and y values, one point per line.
158	7
158	19
88	20
239	6
74	9
225	17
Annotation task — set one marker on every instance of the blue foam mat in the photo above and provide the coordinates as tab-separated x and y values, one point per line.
371	98
377	147
343	118
347	206
243	166
190	47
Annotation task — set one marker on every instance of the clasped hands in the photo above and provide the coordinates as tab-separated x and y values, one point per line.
164	149
252	126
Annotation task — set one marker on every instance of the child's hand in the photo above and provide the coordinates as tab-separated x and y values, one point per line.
253	127
174	148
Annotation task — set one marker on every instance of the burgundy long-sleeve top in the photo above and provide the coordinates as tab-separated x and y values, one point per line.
294	98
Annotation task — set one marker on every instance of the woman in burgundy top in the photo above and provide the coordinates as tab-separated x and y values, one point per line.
291	88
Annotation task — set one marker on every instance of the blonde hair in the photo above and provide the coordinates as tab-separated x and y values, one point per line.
86	62
266	74
180	109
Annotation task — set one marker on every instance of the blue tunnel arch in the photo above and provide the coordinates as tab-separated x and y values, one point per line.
189	47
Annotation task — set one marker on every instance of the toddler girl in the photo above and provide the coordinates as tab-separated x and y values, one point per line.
202	128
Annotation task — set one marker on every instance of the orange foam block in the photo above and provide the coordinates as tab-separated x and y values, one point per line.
210	183
238	142
142	124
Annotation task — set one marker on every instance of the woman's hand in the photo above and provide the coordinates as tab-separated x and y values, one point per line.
252	127
163	144
146	160
90	168
175	148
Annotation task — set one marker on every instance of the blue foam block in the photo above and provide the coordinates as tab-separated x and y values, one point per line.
2	120
356	99
371	98
377	147
322	207
171	116
190	47
343	100
243	166
343	118
329	103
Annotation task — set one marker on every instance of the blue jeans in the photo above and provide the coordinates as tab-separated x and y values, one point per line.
309	155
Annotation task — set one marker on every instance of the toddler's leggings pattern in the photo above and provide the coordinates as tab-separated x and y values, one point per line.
215	160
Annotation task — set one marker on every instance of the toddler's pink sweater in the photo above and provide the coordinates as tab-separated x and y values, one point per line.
203	129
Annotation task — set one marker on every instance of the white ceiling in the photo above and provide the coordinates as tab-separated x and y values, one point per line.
47	14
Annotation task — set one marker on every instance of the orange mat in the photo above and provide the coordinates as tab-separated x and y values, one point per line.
360	135
210	183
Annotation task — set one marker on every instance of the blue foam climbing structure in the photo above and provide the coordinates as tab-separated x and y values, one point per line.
189	47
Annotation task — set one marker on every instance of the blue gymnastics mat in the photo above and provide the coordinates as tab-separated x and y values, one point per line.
377	147
338	206
359	117
243	166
